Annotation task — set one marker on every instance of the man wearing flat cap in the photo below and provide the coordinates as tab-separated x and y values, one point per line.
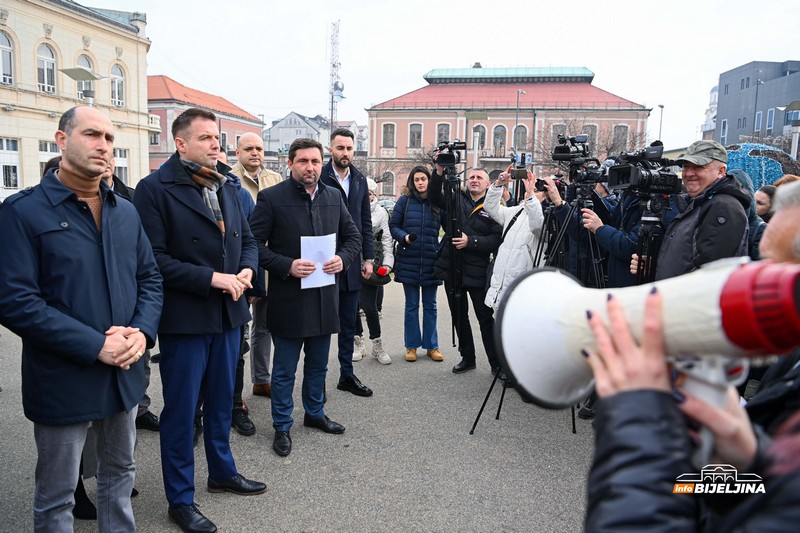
712	219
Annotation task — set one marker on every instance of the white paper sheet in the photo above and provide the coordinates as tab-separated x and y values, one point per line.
318	249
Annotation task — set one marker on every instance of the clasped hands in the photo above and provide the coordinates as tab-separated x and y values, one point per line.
123	347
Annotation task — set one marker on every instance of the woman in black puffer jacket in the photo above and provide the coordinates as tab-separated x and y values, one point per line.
415	226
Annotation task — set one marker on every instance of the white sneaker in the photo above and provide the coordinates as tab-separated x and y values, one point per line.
358	348
379	353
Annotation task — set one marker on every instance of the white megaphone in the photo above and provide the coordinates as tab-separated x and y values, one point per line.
726	311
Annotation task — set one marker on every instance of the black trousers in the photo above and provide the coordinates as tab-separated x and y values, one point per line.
368	299
485	315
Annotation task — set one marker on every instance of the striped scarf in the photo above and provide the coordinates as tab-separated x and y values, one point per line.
210	182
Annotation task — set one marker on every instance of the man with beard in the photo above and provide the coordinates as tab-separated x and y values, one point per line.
301	318
340	174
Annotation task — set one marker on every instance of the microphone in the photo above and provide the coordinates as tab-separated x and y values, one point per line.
382	271
412	237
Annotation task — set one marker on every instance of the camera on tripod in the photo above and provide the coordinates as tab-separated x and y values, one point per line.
644	172
583	168
449	155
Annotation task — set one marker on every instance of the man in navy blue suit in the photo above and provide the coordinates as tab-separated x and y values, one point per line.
340	174
207	256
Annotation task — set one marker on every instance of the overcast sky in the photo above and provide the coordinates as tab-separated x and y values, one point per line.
272	57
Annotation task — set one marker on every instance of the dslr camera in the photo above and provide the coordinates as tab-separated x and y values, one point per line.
644	172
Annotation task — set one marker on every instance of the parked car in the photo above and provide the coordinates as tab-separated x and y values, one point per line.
388	204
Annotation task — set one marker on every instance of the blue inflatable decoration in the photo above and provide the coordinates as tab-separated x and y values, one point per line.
764	164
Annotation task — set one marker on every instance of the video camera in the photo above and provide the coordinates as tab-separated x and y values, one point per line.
643	172
558	180
583	168
449	155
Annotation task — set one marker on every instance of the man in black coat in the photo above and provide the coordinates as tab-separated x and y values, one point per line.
478	237
206	254
341	175
301	318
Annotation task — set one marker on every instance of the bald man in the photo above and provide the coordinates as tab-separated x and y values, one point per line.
254	177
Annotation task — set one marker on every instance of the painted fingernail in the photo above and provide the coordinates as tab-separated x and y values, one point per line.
609	296
678	396
588	315
654	290
584	353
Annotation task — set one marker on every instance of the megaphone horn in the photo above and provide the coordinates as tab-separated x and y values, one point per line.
730	307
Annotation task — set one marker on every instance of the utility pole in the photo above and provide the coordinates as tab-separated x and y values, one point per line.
337	86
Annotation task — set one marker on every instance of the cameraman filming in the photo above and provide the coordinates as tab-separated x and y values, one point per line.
477	238
712	219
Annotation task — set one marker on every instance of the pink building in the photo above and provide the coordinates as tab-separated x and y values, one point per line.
167	98
495	110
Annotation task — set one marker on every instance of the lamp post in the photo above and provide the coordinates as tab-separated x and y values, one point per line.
516	119
755	110
660	120
83	74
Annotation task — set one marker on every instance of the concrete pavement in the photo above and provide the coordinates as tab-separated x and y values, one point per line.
405	463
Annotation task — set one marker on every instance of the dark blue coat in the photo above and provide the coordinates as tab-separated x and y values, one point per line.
620	239
357	203
64	284
414	263
189	248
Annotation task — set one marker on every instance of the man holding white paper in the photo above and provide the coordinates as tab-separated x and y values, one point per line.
298	315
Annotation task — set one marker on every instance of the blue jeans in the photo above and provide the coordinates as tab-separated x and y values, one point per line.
191	364
59	456
429	339
284	368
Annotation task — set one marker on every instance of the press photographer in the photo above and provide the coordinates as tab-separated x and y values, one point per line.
712	219
471	237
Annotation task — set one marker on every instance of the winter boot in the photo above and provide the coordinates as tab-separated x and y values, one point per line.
358	348
379	353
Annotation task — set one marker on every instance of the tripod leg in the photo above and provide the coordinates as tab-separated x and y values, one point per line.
483	405
574	428
500	405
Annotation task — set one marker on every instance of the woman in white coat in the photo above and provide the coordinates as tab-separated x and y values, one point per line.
522	229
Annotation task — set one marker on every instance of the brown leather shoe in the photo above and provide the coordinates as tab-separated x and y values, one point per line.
263	389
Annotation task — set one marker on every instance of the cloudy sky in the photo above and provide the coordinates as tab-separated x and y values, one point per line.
272	57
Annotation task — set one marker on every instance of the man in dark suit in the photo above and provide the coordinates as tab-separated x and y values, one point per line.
301	318
207	256
340	174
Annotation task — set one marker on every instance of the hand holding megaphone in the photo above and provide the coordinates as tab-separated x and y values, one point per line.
727	310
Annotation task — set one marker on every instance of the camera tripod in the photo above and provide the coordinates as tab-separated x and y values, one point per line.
651	234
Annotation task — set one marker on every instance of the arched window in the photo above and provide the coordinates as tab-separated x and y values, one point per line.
117	86
415	136
591	131
520	137
481	131
84	85
6	60
387	184
46	69
620	139
499	141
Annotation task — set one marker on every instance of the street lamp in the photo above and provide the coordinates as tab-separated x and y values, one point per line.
660	120
516	118
83	74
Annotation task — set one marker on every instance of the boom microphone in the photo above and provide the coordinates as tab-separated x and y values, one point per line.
729	309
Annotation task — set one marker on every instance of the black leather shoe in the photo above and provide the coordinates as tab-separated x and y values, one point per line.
282	444
463	366
197	430
242	424
148	421
191	520
237	485
325	424
352	384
